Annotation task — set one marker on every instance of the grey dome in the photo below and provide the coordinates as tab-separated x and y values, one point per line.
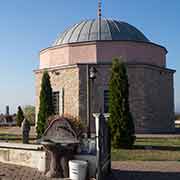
113	30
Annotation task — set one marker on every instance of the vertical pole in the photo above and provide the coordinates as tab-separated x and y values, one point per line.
106	115
98	148
88	103
99	151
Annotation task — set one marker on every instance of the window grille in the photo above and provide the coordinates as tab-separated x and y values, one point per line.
106	101
55	98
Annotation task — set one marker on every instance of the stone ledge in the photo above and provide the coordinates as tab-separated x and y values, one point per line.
31	147
24	155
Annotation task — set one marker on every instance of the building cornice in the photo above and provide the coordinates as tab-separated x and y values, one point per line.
130	65
54	68
99	42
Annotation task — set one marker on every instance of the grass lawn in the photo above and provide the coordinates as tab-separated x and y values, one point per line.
145	155
15	138
145	149
150	149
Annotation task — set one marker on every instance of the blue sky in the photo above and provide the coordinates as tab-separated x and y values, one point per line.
26	27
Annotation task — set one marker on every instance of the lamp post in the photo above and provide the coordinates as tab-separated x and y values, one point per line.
91	76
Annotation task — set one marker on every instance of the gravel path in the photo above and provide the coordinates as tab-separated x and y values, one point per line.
141	170
155	166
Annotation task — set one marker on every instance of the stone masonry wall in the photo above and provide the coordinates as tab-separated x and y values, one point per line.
68	79
162	103
151	96
96	91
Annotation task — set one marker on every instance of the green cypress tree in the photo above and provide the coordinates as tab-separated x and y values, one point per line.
45	106
20	116
120	121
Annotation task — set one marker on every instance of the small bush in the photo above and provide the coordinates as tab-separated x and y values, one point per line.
20	116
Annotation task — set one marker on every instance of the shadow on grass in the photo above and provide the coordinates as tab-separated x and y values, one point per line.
177	130
148	147
142	175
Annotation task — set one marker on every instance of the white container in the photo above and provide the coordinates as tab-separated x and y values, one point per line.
77	170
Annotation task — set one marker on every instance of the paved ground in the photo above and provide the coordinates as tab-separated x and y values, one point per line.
121	171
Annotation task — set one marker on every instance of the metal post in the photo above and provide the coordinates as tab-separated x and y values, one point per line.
107	115
88	103
98	161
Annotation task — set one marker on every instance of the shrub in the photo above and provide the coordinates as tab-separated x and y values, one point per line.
20	116
29	113
45	107
120	121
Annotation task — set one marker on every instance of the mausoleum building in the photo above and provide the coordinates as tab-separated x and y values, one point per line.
79	48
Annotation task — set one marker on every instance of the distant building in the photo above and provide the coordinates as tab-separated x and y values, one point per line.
7	119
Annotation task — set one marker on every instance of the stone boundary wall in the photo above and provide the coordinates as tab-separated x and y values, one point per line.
34	156
23	154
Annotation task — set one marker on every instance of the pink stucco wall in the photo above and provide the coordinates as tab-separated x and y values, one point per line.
86	53
44	59
103	52
54	57
132	52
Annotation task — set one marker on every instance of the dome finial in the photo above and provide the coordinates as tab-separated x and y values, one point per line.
99	18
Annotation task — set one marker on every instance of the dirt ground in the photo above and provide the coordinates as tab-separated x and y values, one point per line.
124	170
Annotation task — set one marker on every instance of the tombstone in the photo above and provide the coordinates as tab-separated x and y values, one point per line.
25	131
60	141
103	144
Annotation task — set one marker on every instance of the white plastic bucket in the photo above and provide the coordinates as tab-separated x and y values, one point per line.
77	169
